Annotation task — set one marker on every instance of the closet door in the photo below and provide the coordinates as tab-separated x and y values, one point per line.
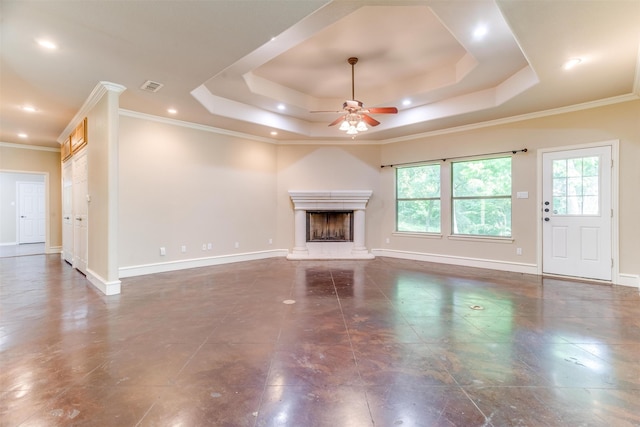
80	211
67	211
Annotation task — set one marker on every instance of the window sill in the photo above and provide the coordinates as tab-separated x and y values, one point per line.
491	239
418	235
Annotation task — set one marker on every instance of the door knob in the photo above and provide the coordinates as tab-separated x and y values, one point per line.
546	203
22	216
546	219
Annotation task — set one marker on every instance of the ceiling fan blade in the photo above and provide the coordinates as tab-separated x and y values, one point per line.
336	121
369	120
325	111
382	110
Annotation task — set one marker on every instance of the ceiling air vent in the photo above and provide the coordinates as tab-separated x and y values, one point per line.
151	86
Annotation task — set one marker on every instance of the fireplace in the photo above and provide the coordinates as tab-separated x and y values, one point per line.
330	224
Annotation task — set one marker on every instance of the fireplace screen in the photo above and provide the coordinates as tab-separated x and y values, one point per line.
333	226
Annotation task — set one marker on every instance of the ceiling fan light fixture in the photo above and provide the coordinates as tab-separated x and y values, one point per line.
356	117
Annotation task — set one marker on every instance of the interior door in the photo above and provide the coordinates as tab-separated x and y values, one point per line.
577	213
31	212
80	211
67	212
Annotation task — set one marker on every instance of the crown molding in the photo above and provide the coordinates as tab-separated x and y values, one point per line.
96	94
29	147
351	141
520	118
196	126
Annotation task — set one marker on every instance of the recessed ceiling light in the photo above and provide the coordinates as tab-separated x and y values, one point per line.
406	102
29	108
572	63
47	44
281	107
172	111
480	32
274	133
22	135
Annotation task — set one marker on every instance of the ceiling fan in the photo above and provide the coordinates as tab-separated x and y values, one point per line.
356	117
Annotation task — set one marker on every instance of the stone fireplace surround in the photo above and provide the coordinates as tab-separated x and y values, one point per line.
335	200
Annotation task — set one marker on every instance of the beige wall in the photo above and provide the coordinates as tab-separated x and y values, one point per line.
100	164
45	161
187	186
615	122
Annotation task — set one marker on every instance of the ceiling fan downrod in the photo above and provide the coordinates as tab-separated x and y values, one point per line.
353	61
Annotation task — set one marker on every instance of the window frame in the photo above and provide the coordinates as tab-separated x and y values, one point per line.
415	199
453	199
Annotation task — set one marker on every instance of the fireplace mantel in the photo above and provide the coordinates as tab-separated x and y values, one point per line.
330	200
337	200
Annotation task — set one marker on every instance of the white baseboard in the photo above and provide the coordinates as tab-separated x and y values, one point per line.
140	270
9	244
632	280
106	287
461	261
53	250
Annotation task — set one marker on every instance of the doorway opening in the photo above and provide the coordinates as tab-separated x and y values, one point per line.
23	213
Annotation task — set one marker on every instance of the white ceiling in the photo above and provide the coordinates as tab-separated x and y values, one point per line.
229	64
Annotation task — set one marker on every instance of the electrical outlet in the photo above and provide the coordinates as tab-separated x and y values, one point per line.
209	246
204	246
271	241
237	245
183	248
518	251
388	241
163	251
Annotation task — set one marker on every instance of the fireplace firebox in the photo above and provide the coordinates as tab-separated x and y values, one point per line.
329	226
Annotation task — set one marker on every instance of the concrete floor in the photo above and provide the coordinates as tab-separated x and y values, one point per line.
384	342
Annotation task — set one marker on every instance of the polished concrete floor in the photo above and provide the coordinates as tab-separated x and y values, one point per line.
301	343
22	250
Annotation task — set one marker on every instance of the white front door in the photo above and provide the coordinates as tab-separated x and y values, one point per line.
80	211
576	197
31	212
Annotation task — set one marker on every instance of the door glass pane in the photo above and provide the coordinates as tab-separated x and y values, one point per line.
576	186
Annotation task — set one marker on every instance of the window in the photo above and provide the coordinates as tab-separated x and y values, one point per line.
481	197
418	199
575	186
